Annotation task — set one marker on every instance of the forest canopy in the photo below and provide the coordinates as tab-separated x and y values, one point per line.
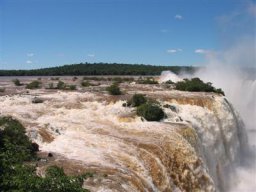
99	69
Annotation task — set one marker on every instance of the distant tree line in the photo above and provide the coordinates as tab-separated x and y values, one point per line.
99	69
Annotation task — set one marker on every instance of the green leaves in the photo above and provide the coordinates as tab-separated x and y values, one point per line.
197	85
151	112
114	89
34	85
99	69
137	100
16	151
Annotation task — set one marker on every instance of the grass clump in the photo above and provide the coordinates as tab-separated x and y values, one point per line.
51	86
34	85
63	86
71	87
88	84
17	82
150	111
114	89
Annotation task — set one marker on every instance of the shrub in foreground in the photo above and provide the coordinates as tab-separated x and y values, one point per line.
151	112
17	164
114	89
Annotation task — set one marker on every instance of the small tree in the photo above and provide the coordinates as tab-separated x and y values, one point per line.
151	112
114	89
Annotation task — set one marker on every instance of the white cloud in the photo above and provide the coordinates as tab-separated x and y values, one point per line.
29	62
179	17
30	54
174	50
91	55
201	51
171	51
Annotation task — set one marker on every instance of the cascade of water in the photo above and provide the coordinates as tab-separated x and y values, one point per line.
240	89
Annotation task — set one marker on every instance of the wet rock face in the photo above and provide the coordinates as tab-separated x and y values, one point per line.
189	150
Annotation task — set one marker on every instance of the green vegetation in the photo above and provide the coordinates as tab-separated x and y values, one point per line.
55	78
114	89
98	69
71	87
148	80
169	82
115	79
137	100
61	85
151	112
88	84
51	86
17	159
34	85
197	85
147	108
17	82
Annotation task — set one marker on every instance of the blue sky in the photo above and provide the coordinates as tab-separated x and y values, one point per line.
44	33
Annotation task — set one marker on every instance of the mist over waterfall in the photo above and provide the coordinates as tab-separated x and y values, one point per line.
240	88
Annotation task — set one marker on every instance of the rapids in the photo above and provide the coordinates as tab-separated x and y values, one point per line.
192	149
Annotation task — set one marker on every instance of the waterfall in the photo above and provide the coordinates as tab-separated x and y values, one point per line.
240	89
193	148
